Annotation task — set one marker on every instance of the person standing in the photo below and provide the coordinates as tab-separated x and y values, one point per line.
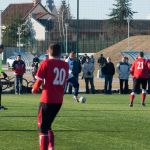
108	71
102	62
88	70
53	73
123	70
35	65
92	59
19	69
140	72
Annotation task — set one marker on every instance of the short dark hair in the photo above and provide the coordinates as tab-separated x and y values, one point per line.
141	54
56	49
1	46
72	52
19	55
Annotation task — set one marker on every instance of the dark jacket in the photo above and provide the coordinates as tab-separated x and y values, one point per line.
76	67
108	69
19	67
102	61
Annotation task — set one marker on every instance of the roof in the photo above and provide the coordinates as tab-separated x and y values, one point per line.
13	9
40	14
103	25
89	25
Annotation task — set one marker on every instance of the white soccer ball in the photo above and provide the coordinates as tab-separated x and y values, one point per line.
82	99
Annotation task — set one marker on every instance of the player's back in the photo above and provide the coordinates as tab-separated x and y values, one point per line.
139	68
55	73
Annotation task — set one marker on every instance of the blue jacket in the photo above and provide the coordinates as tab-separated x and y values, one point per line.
123	70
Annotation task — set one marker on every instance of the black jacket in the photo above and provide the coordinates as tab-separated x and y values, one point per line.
108	69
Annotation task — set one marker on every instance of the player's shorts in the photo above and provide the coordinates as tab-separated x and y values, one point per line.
46	115
139	83
74	82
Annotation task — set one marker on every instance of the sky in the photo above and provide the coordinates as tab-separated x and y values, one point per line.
93	9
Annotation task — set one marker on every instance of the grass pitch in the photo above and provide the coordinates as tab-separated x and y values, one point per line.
105	122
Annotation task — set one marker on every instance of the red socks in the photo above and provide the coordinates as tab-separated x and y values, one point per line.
143	97
43	141
51	140
132	96
46	142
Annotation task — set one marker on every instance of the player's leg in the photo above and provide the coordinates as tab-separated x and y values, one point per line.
43	135
46	115
70	89
144	85
75	84
132	95
52	112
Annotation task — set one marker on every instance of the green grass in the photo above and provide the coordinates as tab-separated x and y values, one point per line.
103	123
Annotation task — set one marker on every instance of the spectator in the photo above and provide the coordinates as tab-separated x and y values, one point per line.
19	69
108	71
102	62
88	69
92	59
84	59
123	70
35	64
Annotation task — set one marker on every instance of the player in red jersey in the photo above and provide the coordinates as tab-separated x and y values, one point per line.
53	74
140	72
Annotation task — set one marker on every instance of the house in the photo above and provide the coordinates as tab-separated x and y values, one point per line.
47	27
35	13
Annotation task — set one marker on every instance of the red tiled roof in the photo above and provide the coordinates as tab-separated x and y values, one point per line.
13	9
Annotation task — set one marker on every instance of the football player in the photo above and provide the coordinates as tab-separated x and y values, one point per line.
140	72
53	74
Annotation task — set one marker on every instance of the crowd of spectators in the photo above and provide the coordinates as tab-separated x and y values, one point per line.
83	67
86	66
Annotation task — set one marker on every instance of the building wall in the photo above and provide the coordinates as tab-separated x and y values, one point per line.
39	30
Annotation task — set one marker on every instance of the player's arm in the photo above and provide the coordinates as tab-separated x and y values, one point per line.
40	76
36	86
132	69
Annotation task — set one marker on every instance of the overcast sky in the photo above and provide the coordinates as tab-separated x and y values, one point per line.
94	9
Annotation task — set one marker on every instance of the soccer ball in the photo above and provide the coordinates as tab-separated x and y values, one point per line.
82	99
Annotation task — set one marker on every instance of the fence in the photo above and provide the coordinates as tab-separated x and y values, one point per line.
39	25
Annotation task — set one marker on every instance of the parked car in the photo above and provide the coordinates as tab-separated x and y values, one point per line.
43	57
10	61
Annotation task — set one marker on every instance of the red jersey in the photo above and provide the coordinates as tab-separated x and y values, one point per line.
54	73
139	68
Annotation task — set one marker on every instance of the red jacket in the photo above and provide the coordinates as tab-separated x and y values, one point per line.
140	68
19	67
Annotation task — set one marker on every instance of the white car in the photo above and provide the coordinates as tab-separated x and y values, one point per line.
10	61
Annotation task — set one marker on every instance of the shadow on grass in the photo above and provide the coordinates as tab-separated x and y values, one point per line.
69	130
18	116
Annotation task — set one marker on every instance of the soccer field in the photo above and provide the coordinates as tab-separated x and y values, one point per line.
105	122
